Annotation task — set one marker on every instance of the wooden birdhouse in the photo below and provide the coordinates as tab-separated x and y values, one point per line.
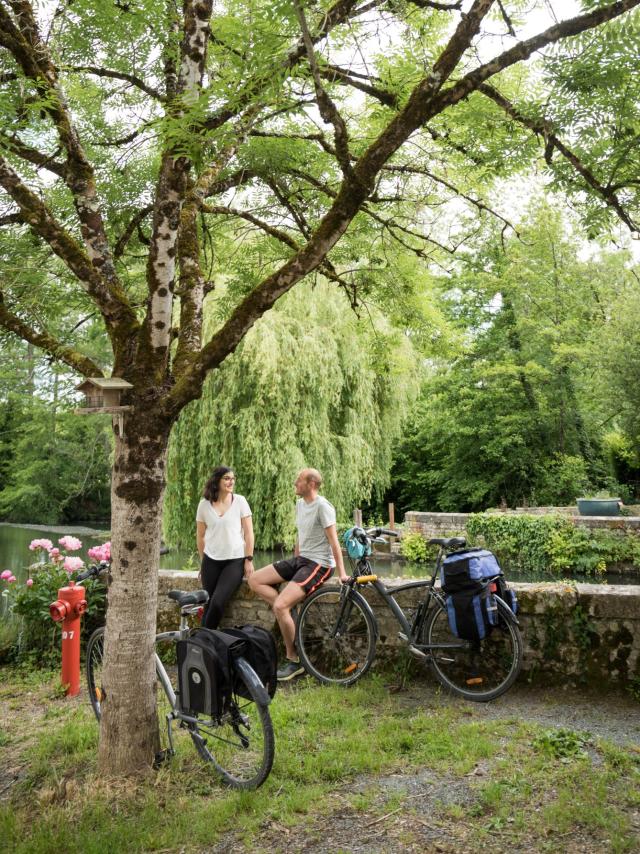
102	395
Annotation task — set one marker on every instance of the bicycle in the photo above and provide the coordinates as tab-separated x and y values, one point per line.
239	744
337	632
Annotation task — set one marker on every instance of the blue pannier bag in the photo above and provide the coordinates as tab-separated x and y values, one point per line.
470	580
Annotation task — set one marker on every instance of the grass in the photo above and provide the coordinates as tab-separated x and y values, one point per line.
358	764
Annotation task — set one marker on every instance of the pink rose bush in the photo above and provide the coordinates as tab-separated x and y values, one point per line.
37	545
72	564
28	601
70	544
102	552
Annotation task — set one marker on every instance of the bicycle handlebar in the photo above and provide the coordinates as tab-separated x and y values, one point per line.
376	532
93	571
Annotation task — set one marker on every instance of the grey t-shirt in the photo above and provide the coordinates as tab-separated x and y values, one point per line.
312	519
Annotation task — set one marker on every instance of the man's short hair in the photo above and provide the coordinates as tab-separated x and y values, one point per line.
313	475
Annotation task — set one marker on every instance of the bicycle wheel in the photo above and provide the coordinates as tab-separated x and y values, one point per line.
241	744
95	655
336	644
476	671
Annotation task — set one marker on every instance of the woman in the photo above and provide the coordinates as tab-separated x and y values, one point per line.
225	542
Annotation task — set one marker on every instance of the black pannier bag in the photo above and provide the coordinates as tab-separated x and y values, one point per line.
260	651
470	579
205	671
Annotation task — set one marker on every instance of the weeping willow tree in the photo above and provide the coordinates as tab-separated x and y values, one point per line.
310	385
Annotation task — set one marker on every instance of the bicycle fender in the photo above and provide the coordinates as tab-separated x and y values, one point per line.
511	616
251	678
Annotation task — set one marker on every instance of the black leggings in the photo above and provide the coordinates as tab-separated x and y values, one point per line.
221	579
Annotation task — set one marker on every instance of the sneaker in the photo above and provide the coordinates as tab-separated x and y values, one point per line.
289	670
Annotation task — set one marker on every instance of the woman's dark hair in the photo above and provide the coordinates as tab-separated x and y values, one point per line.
212	486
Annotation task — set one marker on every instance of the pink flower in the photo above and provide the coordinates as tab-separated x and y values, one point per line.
102	552
71	544
29	582
11	579
34	545
73	563
6	574
55	555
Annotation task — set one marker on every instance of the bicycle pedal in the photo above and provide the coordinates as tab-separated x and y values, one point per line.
417	652
402	636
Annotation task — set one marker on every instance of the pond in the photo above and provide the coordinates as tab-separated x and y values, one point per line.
15	555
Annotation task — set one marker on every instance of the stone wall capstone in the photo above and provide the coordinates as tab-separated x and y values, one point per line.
585	634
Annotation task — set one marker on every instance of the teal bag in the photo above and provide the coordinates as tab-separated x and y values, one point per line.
356	543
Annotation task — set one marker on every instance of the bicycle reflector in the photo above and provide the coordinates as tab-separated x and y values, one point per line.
357	543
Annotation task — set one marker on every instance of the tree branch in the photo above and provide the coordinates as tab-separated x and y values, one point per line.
414	170
524	49
32	155
32	55
156	336
433	4
36	214
132	226
342	10
544	129
328	110
116	75
75	360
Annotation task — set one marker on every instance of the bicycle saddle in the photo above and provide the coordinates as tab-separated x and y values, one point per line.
450	543
188	597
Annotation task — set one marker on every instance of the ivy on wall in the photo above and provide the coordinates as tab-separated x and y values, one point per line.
552	543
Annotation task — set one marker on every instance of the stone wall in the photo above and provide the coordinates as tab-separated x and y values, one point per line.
582	633
450	524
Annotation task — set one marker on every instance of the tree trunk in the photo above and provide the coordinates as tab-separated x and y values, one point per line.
129	730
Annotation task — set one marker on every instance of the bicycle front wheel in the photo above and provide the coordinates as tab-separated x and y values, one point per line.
478	671
241	744
336	636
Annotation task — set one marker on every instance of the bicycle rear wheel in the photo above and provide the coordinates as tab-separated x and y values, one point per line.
241	744
336	637
480	671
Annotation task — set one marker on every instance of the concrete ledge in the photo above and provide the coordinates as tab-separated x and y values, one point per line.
585	634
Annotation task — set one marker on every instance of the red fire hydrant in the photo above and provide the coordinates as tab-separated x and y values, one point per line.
68	608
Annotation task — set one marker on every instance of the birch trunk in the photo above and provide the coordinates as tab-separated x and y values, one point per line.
129	730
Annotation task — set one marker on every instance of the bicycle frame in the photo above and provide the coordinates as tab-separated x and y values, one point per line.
410	631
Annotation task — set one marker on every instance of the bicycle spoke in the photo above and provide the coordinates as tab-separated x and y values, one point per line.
336	643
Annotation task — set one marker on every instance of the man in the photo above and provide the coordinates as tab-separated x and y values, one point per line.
316	554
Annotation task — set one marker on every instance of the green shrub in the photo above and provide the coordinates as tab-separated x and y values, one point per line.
415	548
552	543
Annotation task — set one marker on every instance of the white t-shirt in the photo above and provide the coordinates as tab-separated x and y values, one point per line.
312	519
223	537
